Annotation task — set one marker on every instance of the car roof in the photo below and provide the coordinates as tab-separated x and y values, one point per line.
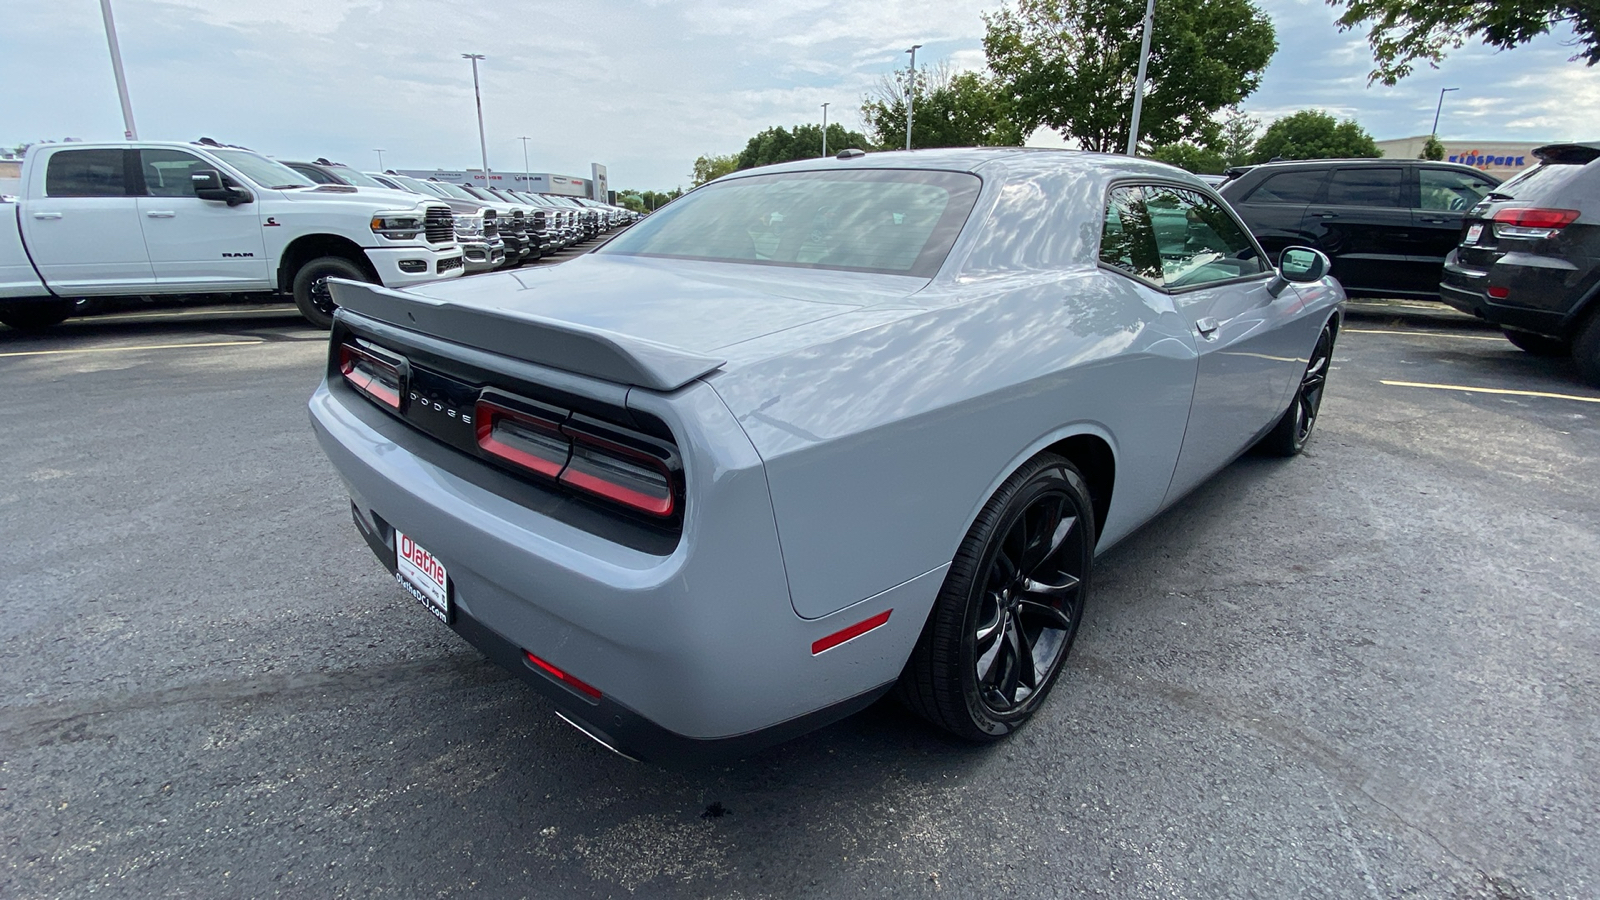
983	161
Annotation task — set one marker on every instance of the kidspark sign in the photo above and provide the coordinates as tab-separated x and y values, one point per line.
1482	160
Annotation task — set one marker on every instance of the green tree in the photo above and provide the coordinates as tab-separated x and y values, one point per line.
1401	32
1071	65
646	201
710	168
1189	157
1238	138
1433	149
779	144
968	109
1313	134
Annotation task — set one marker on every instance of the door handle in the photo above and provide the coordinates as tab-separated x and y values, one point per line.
1326	215
47	215
1207	326
161	214
1437	221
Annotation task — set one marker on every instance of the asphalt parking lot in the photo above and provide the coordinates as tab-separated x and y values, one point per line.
1368	672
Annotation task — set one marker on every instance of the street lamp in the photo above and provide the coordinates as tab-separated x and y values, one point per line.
116	70
1438	108
527	182
379	151
911	94
1138	85
824	130
483	146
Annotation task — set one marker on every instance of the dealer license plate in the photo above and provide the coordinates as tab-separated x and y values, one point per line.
421	573
1473	233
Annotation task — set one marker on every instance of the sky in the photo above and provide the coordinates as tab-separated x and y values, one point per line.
641	86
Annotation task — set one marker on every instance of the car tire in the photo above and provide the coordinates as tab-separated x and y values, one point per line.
1586	348
310	286
1009	608
1537	344
1289	436
37	316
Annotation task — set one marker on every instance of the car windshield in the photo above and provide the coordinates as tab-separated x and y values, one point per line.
893	221
265	172
453	191
360	179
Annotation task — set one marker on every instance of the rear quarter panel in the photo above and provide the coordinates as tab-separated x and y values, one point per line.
881	447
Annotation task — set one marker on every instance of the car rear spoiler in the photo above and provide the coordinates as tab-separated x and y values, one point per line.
595	352
1571	154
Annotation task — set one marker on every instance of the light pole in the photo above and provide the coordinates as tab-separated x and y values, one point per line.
824	130
911	93
527	182
483	146
1138	85
379	151
128	130
1438	109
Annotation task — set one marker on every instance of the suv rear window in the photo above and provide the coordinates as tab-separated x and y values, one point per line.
891	221
1289	187
1544	183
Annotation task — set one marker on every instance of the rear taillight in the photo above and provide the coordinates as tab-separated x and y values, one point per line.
635	473
629	469
371	374
529	439
1532	222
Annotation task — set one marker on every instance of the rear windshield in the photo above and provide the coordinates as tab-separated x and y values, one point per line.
1544	182
893	221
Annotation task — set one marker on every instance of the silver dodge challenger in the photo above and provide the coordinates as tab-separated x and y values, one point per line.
819	431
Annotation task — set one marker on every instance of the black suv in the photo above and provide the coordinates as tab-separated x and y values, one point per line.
1529	259
1387	224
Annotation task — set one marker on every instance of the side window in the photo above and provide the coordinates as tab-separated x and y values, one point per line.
1367	186
86	173
1289	187
1126	241
167	172
1450	190
1198	241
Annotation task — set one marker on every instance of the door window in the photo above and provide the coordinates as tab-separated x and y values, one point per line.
1448	190
86	173
1198	241
167	172
1289	187
1126	240
1367	186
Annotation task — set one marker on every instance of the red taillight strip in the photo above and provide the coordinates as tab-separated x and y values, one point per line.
645	503
849	634
484	415
349	356
1531	217
566	679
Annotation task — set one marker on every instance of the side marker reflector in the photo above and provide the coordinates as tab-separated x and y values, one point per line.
563	677
849	634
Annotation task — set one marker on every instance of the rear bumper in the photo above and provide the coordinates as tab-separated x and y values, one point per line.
697	652
1542	293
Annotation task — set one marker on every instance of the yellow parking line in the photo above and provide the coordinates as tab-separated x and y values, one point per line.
1483	390
127	349
1459	337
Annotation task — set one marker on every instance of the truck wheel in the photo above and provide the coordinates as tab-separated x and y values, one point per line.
33	316
311	293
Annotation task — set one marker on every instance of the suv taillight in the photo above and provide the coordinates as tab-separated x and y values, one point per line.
630	469
371	374
1532	222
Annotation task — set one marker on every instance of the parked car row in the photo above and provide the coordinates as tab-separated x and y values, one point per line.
1524	255
166	219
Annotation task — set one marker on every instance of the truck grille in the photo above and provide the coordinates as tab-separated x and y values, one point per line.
491	224
519	225
439	226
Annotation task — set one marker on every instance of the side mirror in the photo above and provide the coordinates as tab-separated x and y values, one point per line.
1299	265
208	185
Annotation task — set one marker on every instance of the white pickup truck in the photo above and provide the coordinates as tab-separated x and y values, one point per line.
98	220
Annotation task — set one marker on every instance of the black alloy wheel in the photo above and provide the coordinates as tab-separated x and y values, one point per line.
1290	435
311	294
36	315
1010	606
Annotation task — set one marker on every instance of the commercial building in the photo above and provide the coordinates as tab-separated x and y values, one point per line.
1500	158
